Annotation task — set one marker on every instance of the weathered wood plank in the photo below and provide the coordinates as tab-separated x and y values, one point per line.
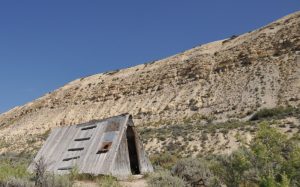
81	146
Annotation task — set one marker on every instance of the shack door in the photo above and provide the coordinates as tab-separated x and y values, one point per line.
132	149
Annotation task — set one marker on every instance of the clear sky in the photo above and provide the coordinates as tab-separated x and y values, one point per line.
46	44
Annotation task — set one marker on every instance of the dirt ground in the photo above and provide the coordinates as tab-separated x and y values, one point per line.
134	183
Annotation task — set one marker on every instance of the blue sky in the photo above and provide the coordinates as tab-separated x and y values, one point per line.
45	44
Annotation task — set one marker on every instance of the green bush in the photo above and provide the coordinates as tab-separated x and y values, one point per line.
13	173
165	160
43	178
269	148
195	172
164	179
107	181
275	156
16	182
271	182
52	180
271	160
10	169
234	169
276	113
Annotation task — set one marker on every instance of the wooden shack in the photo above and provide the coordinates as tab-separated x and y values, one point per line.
105	147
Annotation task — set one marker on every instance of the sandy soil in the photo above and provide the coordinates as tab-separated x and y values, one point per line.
134	183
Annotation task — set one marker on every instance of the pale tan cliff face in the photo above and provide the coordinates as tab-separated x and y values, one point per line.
225	79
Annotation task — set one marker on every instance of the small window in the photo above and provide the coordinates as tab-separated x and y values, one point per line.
65	168
82	139
105	147
76	149
72	158
88	128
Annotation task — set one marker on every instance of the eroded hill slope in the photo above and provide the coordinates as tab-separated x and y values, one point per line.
221	80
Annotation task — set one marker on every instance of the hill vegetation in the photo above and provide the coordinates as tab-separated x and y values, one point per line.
270	160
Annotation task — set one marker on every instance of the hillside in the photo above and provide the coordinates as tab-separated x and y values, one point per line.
218	81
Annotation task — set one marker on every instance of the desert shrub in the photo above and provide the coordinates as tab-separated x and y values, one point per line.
13	170
164	179
45	135
10	169
16	182
83	177
75	175
173	147
111	72
231	38
271	182
40	169
4	143
44	179
164	160
276	113
292	167
13	173
276	156
195	172
234	169
268	147
52	180
107	181
270	160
